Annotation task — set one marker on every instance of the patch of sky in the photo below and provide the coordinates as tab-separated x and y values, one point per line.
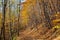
17	2
23	0
0	5
13	6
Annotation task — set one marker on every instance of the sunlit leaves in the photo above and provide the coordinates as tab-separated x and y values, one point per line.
57	27
24	17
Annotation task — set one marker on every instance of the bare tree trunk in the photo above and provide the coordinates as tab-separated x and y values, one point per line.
4	12
19	16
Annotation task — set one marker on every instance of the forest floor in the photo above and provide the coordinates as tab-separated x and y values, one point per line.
40	33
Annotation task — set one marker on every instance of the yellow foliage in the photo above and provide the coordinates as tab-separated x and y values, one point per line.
57	26
24	17
25	9
57	20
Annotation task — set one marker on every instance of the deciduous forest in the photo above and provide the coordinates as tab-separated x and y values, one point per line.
29	19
